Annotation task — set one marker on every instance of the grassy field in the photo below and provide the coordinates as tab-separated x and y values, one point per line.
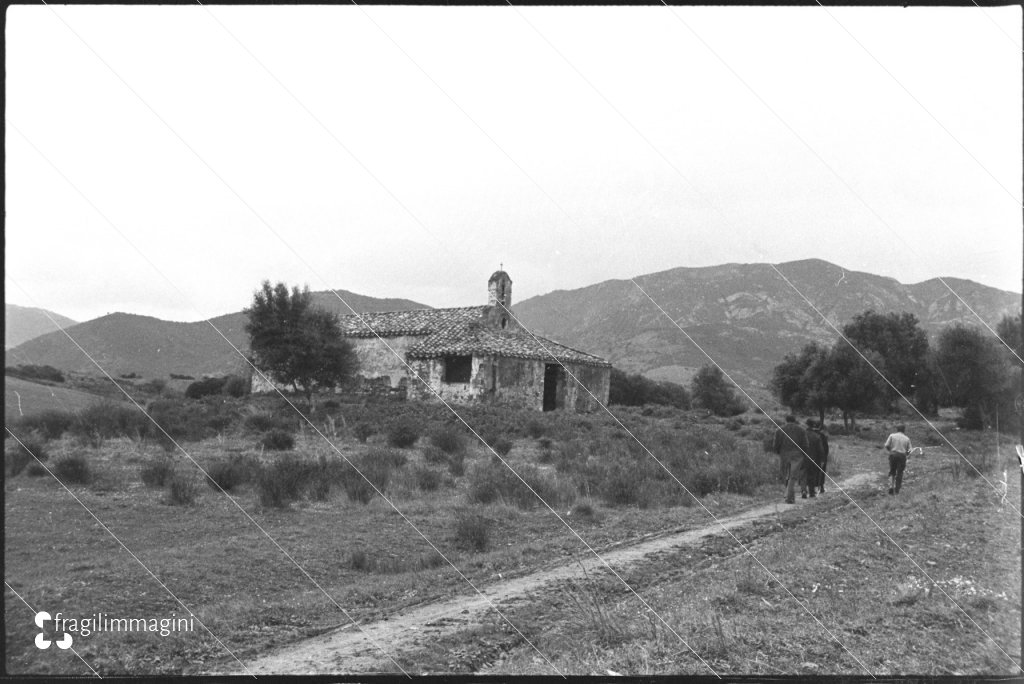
256	575
24	397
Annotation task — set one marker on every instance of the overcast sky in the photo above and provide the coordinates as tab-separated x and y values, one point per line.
165	160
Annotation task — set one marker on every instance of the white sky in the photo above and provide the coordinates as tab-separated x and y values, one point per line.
572	144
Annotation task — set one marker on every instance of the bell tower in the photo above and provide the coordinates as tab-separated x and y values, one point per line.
499	290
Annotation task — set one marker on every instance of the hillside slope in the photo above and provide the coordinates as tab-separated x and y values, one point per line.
745	316
22	323
129	343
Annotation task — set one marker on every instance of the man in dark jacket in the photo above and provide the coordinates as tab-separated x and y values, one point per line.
816	459
790	443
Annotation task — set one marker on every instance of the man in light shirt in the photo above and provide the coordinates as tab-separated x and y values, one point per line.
898	446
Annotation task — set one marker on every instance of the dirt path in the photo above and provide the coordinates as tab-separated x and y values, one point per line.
363	648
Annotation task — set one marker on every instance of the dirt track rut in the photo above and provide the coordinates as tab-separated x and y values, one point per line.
364	648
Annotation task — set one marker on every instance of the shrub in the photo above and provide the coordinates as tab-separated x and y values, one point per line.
282	481
155	386
236	386
156	473
402	433
106	419
18	455
186	420
427	479
431	454
357	488
502	445
35	470
32	372
72	469
264	421
182	490
493	480
278	440
457	464
535	429
205	387
178	376
228	474
363	431
636	390
51	423
472	531
448	440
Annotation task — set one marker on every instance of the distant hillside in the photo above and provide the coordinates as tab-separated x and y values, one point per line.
744	315
22	323
128	343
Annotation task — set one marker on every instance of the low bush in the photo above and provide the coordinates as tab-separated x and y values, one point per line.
493	481
426	478
51	423
457	464
155	386
182	490
107	419
179	376
535	429
17	455
35	469
502	445
403	433
72	469
228	474
363	431
472	531
282	481
205	387
265	421
236	386
448	440
33	372
157	472
278	440
360	561
431	454
188	421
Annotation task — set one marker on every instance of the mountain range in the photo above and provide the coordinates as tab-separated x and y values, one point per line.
745	317
22	323
128	343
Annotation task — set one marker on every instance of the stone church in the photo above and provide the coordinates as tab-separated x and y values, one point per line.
473	354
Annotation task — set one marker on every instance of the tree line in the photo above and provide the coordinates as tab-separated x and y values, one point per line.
886	356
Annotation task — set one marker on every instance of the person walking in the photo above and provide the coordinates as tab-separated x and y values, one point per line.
820	429
814	463
898	446
790	443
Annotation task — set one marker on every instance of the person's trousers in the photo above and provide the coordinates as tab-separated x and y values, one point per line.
795	476
897	464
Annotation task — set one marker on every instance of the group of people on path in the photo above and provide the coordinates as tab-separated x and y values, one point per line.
803	457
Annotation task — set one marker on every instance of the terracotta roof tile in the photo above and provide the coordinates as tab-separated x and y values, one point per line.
467	340
413	322
459	332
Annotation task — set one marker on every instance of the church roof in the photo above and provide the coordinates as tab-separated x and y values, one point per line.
460	332
412	322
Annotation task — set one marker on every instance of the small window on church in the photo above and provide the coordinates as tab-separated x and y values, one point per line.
504	323
458	368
